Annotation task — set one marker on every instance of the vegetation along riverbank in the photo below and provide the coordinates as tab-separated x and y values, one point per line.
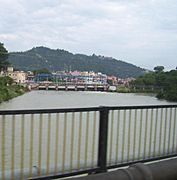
9	90
164	84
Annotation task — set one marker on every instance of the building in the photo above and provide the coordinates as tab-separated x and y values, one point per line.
18	76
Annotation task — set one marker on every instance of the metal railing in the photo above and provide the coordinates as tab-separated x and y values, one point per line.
54	143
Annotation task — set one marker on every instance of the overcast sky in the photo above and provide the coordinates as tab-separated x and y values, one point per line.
142	32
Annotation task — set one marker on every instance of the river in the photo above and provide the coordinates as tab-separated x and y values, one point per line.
66	99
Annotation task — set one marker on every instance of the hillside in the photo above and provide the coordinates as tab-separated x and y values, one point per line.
57	60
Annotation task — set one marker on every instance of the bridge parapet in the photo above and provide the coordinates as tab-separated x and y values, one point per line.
55	143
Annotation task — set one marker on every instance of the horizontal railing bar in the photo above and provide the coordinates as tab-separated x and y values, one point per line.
142	161
56	176
45	111
140	107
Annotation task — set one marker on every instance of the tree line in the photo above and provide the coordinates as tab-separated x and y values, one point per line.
160	82
3	57
8	89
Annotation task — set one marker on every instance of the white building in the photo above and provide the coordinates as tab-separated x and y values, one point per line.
17	76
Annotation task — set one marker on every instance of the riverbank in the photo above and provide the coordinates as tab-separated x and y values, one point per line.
9	90
164	84
168	95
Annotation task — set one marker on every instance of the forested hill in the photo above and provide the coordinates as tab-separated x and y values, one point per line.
57	60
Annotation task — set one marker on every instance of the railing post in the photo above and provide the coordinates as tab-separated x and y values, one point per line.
103	139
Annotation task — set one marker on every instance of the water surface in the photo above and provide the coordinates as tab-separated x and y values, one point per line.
67	99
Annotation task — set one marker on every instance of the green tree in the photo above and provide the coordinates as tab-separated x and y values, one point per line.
162	83
3	57
159	69
4	81
41	71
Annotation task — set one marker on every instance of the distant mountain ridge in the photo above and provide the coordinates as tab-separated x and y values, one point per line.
58	60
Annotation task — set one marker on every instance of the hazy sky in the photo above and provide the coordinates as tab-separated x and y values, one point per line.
142	32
